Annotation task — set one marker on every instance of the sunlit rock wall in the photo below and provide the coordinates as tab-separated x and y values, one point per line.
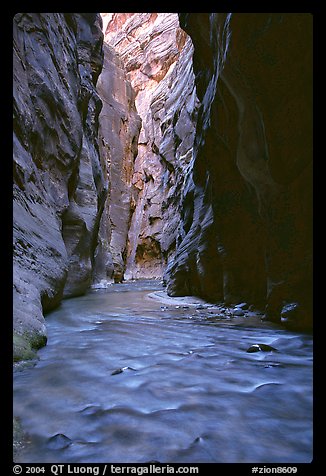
118	137
156	55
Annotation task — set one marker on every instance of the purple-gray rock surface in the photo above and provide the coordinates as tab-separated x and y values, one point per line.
246	233
59	188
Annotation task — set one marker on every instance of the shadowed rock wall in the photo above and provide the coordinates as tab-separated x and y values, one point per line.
247	212
59	188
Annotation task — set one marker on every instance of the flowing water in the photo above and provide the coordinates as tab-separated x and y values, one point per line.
126	378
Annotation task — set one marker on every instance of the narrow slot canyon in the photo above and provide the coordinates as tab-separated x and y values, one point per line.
147	75
162	226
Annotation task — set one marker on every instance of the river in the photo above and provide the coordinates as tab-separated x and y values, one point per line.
127	378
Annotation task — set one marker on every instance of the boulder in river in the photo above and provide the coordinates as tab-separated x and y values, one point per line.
119	371
238	312
58	442
242	305
292	312
261	347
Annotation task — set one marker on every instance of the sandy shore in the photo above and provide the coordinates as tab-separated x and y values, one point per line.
191	301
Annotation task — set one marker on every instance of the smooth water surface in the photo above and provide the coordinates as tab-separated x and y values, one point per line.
189	391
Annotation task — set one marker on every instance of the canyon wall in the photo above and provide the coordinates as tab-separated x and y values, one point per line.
156	55
59	187
216	194
91	208
118	137
246	231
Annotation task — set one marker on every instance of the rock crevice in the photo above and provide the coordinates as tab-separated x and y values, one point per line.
247	207
181	147
59	189
119	131
156	55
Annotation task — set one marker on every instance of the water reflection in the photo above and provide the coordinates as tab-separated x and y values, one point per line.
187	392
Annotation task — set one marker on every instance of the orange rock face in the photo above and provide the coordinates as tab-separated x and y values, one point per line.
156	55
118	138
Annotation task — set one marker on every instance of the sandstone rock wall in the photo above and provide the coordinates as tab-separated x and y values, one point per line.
224	206
59	187
247	211
118	136
156	55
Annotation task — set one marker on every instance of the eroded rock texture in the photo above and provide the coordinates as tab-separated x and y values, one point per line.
246	230
118	136
156	55
59	188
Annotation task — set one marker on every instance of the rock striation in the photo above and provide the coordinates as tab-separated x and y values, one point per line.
59	187
246	231
118	137
156	54
198	166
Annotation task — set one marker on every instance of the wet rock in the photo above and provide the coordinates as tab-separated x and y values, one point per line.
290	310
93	410
273	365
254	348
230	245
217	318
122	369
253	309
261	347
199	439
19	437
199	312
58	442
58	189
117	371
24	364
22	348
238	312
242	305
295	316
